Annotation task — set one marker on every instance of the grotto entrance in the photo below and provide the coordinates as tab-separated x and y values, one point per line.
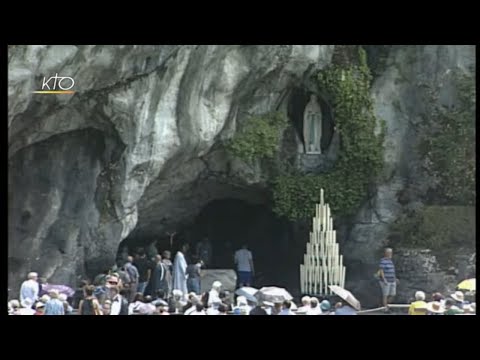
229	223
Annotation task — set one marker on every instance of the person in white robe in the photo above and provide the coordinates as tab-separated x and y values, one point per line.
179	271
29	289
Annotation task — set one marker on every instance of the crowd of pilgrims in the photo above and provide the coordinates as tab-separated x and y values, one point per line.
151	284
145	284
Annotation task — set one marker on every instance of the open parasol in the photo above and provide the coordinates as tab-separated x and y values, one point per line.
469	285
273	294
345	295
248	292
62	289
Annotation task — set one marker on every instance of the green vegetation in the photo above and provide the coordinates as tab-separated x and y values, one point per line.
448	146
437	228
259	138
361	156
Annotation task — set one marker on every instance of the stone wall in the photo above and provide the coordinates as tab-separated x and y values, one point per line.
422	269
227	277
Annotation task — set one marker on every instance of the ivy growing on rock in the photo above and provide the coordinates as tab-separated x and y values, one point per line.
437	228
259	138
448	146
361	155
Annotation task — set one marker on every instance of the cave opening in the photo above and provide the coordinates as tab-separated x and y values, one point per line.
228	223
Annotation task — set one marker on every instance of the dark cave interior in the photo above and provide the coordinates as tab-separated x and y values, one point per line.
228	223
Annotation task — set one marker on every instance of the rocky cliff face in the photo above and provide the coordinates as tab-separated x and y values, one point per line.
131	143
137	147
409	72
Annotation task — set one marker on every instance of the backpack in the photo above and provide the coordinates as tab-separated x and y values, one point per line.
132	274
88	307
124	307
125	276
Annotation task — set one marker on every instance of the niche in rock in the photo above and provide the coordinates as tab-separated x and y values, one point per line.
312	118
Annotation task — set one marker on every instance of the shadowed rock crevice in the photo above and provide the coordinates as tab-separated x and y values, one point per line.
61	177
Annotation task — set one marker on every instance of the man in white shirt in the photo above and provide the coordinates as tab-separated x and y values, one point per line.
244	263
29	289
119	304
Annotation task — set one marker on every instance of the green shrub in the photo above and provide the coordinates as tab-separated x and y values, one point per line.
259	138
437	228
361	155
448	146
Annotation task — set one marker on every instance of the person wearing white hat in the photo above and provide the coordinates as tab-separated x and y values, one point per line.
268	306
29	289
435	308
459	299
40	306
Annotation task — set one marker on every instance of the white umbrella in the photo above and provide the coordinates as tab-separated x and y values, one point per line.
273	294
345	295
248	292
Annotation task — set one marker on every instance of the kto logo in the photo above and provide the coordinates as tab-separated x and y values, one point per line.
57	85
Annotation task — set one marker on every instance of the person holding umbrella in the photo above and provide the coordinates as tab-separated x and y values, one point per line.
345	297
342	308
286	310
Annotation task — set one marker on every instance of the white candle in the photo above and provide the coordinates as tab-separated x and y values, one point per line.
301	278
